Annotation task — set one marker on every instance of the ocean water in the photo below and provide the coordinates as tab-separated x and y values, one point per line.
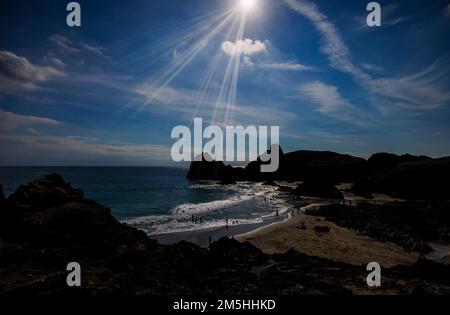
160	200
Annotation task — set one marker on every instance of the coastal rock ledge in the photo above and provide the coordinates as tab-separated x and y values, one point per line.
47	224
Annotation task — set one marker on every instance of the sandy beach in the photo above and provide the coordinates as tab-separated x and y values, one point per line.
339	244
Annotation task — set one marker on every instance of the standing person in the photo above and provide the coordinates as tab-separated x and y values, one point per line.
210	241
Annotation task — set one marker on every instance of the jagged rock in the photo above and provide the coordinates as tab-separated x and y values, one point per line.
47	192
408	224
317	188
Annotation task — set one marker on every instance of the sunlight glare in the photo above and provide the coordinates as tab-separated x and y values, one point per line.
248	4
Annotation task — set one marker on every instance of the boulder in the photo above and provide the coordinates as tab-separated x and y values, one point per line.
319	189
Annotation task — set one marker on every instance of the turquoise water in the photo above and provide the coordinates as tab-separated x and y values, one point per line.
160	200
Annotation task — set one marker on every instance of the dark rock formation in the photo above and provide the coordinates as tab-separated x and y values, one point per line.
318	188
424	179
47	224
408	224
213	170
298	165
362	188
383	161
2	195
406	176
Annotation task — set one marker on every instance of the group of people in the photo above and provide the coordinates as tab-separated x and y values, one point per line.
197	219
234	222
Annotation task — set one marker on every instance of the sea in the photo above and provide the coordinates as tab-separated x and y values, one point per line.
160	200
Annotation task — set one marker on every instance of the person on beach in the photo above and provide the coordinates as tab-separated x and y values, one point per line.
210	241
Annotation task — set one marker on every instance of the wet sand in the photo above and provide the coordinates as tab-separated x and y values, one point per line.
201	237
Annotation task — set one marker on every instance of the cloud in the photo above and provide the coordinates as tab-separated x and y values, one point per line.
425	90
246	47
422	90
11	121
372	68
446	11
17	73
185	102
59	150
67	46
389	18
326	97
281	66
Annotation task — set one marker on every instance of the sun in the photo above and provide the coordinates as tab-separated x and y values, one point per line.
248	5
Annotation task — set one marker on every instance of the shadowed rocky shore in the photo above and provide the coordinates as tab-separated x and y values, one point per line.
46	224
406	176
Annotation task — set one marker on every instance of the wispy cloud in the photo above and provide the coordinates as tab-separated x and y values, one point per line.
279	66
390	18
185	102
66	45
426	90
326	97
446	12
18	74
422	90
329	101
11	121
59	150
372	68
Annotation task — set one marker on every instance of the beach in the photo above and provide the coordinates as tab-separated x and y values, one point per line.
339	244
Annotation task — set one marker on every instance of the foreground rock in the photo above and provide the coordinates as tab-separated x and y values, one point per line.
47	224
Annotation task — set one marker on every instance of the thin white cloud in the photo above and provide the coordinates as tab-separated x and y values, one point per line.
246	47
390	18
58	150
422	90
184	102
425	90
286	66
66	45
278	66
372	68
326	97
447	11
11	121
18	74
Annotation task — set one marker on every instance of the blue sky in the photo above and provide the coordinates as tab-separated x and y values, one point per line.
110	92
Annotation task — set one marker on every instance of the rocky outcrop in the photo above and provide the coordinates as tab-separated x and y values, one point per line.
406	176
319	189
408	224
213	170
299	165
2	195
47	224
425	179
